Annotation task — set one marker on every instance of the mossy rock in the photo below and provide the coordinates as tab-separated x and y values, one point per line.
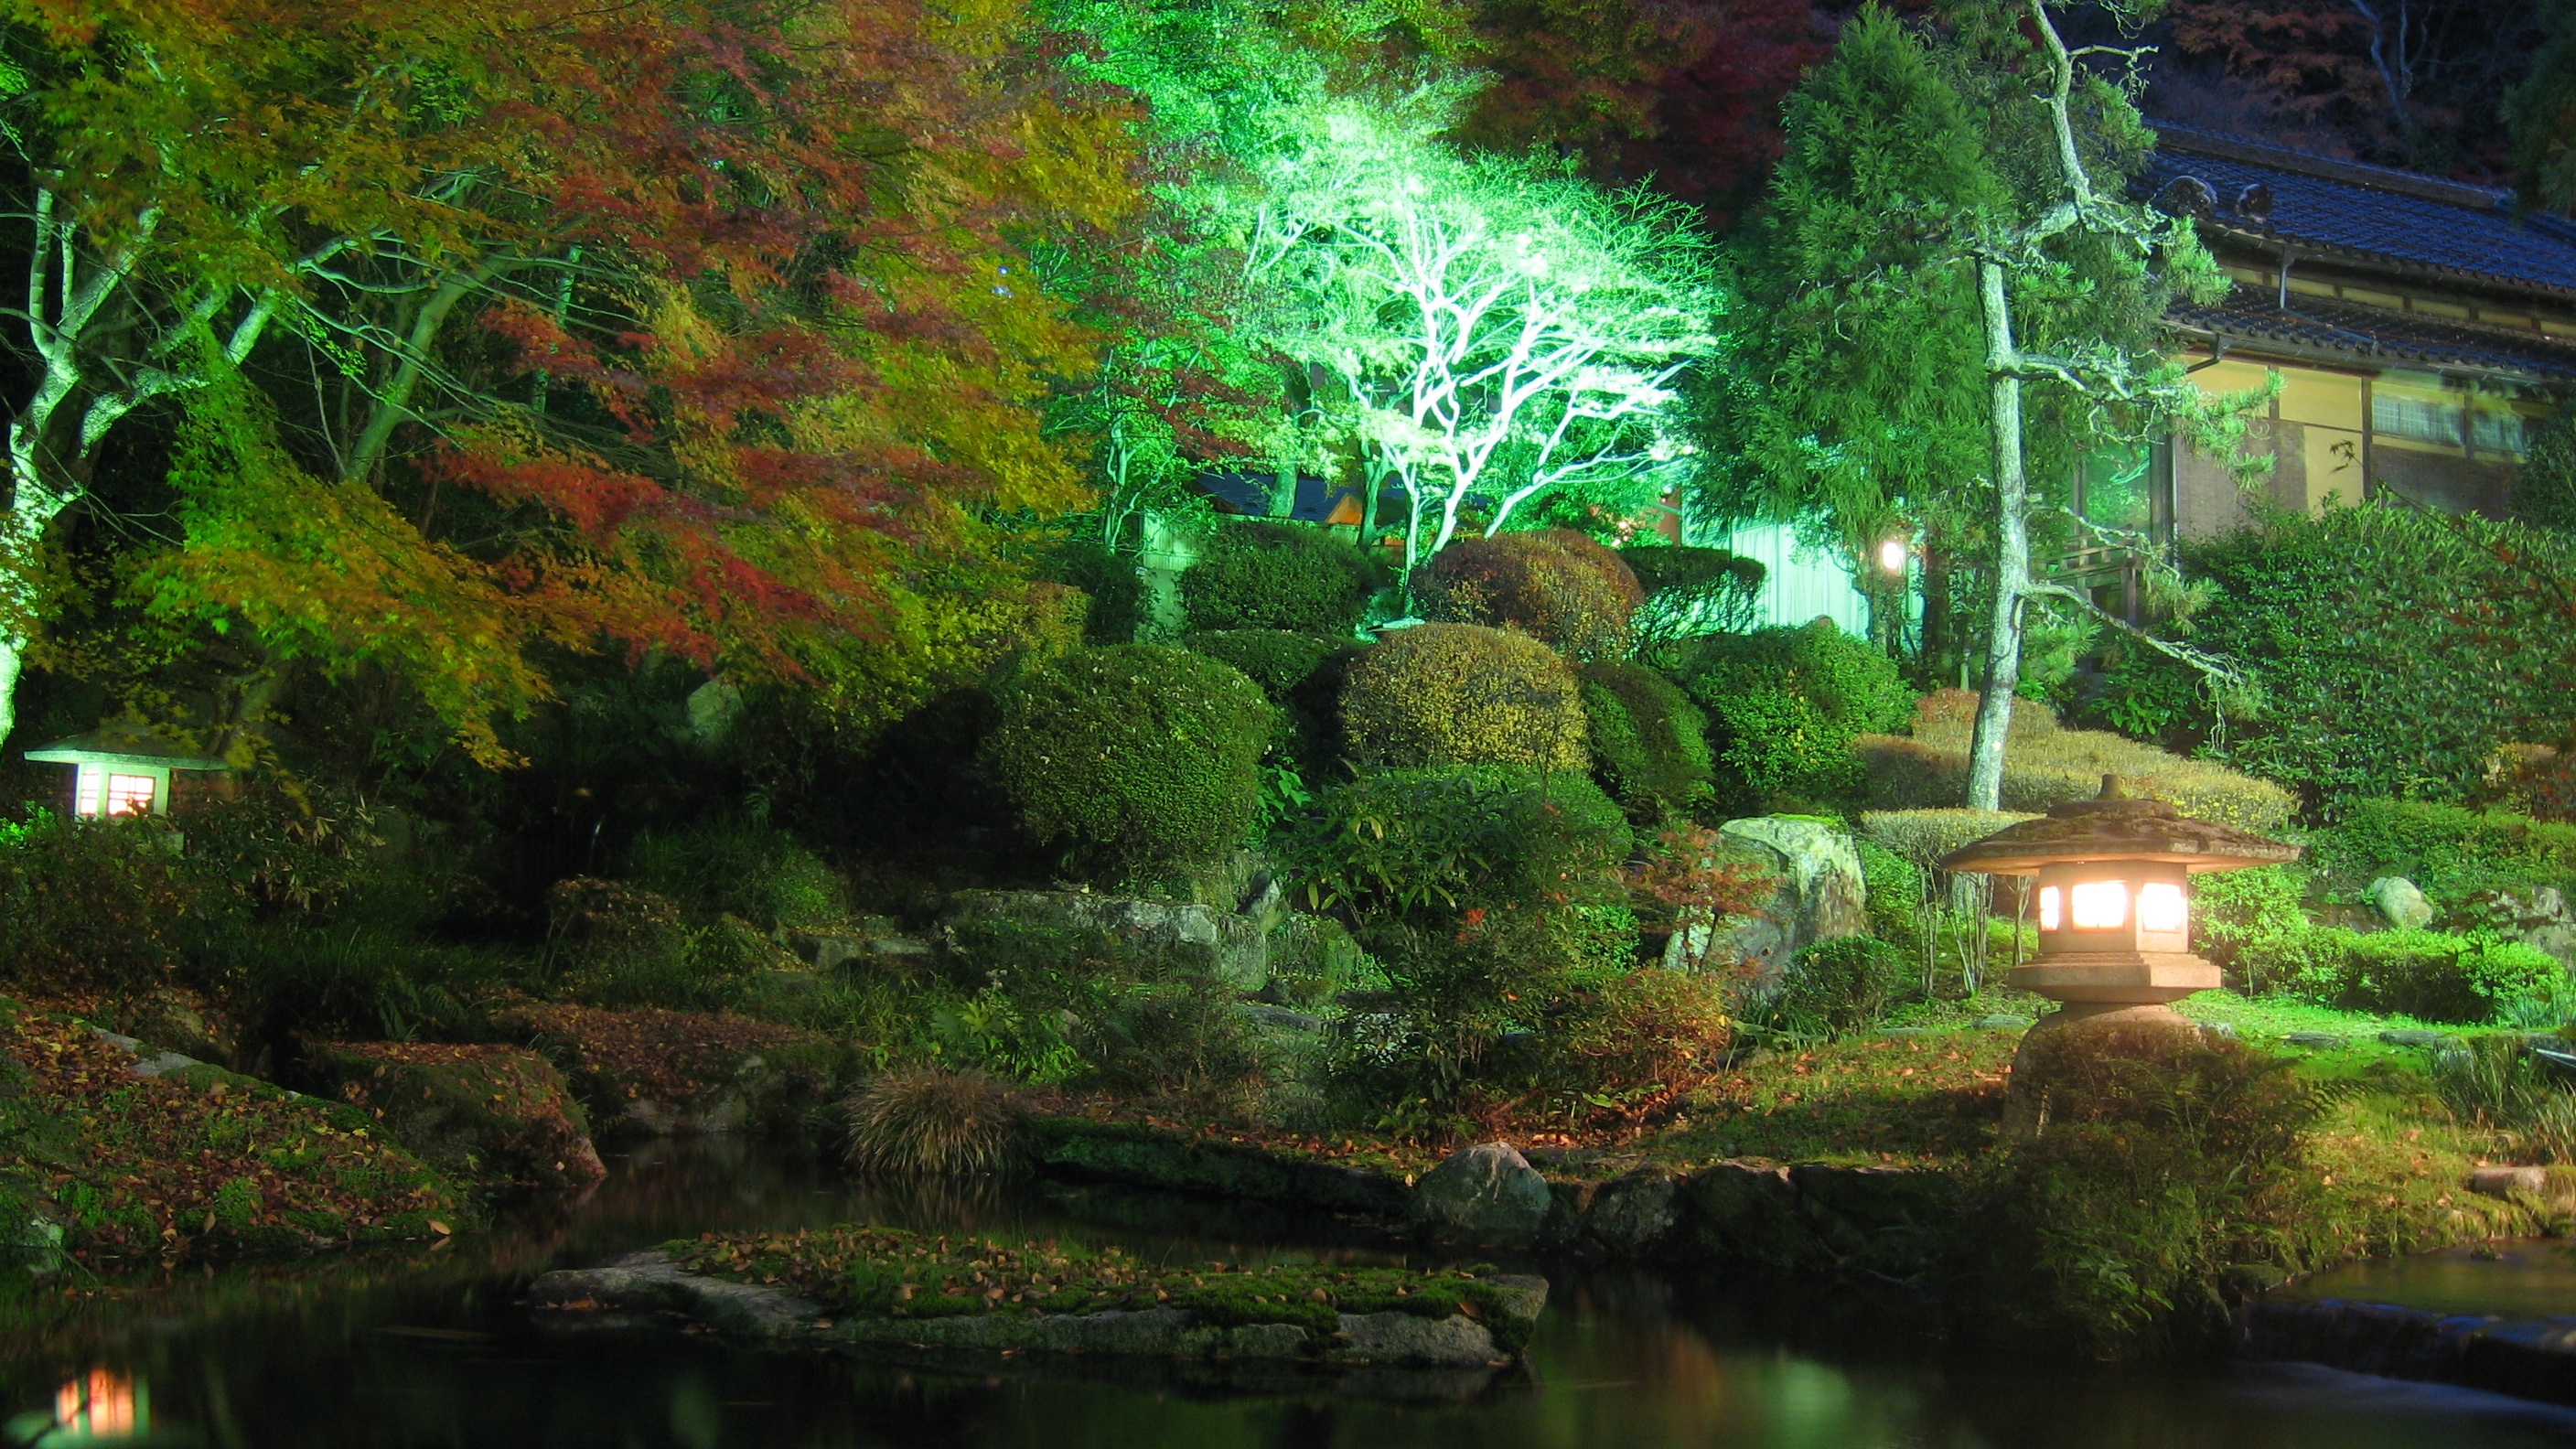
498	1115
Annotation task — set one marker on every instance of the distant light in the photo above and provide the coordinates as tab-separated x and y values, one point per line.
1891	555
2160	906
2101	905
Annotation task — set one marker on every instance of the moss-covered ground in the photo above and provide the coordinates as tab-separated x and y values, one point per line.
200	1162
892	1273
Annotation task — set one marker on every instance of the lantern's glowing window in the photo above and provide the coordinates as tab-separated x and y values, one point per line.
2101	905
129	795
2051	909
2160	906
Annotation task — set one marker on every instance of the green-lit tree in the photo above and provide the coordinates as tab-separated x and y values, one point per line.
1951	296
1497	332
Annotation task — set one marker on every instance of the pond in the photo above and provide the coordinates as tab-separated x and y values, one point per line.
437	1352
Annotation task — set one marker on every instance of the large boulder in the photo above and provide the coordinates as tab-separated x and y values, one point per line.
1487	1193
654	1073
1821	896
2400	903
483	1112
997	928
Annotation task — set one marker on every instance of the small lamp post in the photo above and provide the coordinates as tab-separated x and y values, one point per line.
2115	900
123	770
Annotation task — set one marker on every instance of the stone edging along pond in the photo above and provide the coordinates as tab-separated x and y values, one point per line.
882	1287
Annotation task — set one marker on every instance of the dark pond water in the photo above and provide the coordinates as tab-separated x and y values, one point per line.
437	1353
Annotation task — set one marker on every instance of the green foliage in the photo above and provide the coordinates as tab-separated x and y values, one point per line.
1693	591
2395	649
1279	576
1302	675
1895	887
1178	1044
619	945
2494	1083
1554	585
2452	854
1838	986
1139	759
108	905
1109	579
2428	975
2231	910
1442	694
1459	838
731	866
1649	742
2167	1160
2540	115
1784	706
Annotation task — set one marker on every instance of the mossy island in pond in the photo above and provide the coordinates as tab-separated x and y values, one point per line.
872	1285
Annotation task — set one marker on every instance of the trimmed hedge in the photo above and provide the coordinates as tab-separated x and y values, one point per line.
2451	854
1554	585
1279	576
1784	706
2428	975
1448	839
1118	604
1138	758
1693	591
2396	649
1301	673
2045	765
1649	742
1458	694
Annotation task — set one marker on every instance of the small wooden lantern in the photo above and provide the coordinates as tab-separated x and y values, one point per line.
2114	879
122	769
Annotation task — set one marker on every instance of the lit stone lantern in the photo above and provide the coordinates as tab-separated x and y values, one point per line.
123	770
2115	899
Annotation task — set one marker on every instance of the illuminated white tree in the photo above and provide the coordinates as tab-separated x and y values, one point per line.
1493	333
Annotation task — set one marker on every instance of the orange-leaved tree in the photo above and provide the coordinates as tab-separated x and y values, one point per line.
675	325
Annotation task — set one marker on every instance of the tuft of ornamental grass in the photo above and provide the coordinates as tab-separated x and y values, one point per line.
930	1122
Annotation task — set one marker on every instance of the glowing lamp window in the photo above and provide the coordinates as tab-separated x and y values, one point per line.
2100	905
128	795
2052	908
2160	906
1891	555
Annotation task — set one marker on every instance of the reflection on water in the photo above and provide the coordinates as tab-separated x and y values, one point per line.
100	1405
439	1353
2534	1278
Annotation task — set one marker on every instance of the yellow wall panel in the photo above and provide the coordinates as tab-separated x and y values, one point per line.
2334	466
2327	398
2229	377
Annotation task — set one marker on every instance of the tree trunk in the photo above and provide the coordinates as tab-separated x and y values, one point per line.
2012	545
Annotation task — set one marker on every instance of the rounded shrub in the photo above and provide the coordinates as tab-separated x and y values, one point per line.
106	905
1302	675
1138	758
1278	576
1693	591
1117	592
1456	694
1784	706
1839	986
1649	742
742	868
1463	838
1554	585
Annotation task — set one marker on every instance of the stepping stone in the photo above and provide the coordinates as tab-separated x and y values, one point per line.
2001	1021
2415	1038
2315	1040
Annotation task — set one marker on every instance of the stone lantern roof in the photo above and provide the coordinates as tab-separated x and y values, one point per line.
121	743
2115	827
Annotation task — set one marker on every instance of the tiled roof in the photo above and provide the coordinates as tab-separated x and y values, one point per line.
2322	206
1248	492
2326	326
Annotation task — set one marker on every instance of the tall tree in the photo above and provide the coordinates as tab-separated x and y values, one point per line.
2540	115
2007	299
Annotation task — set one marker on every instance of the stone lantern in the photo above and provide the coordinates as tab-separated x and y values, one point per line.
2115	901
121	769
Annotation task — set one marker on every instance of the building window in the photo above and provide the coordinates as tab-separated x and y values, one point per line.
2421	419
2500	433
129	795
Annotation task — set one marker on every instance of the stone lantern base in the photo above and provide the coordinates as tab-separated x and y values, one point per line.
2095	1027
2123	978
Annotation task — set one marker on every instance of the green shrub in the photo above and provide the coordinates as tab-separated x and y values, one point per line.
1554	585
2045	765
1839	986
1177	1043
2232	910
2394	648
619	945
2544	487
1302	675
103	905
2167	1162
1649	742
1784	706
1109	579
2495	1083
1449	694
2452	854
2428	975
1279	576
736	867
1693	591
1139	759
1456	838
